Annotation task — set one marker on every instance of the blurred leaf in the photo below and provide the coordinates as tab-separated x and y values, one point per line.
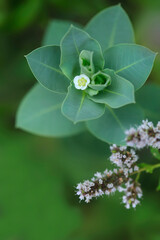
72	44
110	27
111	126
33	203
44	64
78	107
156	153
148	167
130	61
40	113
24	14
149	99
158	187
118	94
56	30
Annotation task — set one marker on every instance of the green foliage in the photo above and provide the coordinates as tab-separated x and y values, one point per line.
78	107
156	153
158	187
148	167
110	27
112	125
113	76
119	93
100	81
148	98
46	69
130	61
33	195
75	41
40	113
86	62
55	31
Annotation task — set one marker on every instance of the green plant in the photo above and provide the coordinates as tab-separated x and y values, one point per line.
87	79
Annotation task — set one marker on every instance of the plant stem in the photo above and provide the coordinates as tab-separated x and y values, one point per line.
152	167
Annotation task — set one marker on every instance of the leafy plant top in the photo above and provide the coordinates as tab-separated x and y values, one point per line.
88	75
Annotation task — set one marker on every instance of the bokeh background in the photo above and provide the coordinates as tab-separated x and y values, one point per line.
38	175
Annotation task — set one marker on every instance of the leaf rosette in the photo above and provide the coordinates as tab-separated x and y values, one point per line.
92	73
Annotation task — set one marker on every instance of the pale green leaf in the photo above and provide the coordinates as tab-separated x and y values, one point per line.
40	113
74	41
86	62
118	94
78	107
110	27
56	30
130	61
44	64
100	80
111	126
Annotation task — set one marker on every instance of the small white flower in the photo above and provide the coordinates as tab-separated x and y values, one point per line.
100	181
81	81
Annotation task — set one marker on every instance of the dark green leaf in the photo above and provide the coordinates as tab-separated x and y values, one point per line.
158	187
40	113
156	153
44	64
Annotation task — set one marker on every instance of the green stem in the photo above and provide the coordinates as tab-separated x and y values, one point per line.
145	169
138	176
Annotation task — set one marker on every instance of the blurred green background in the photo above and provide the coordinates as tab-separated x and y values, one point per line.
38	175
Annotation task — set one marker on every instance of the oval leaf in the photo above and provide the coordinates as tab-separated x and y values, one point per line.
118	94
44	64
111	126
72	44
110	27
40	113
78	107
130	61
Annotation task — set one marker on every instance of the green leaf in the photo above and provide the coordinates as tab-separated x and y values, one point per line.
56	30
110	27
44	64
158	187
130	61
100	80
111	126
40	113
118	94
148	98
149	168
86	62
156	153
78	107
74	41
